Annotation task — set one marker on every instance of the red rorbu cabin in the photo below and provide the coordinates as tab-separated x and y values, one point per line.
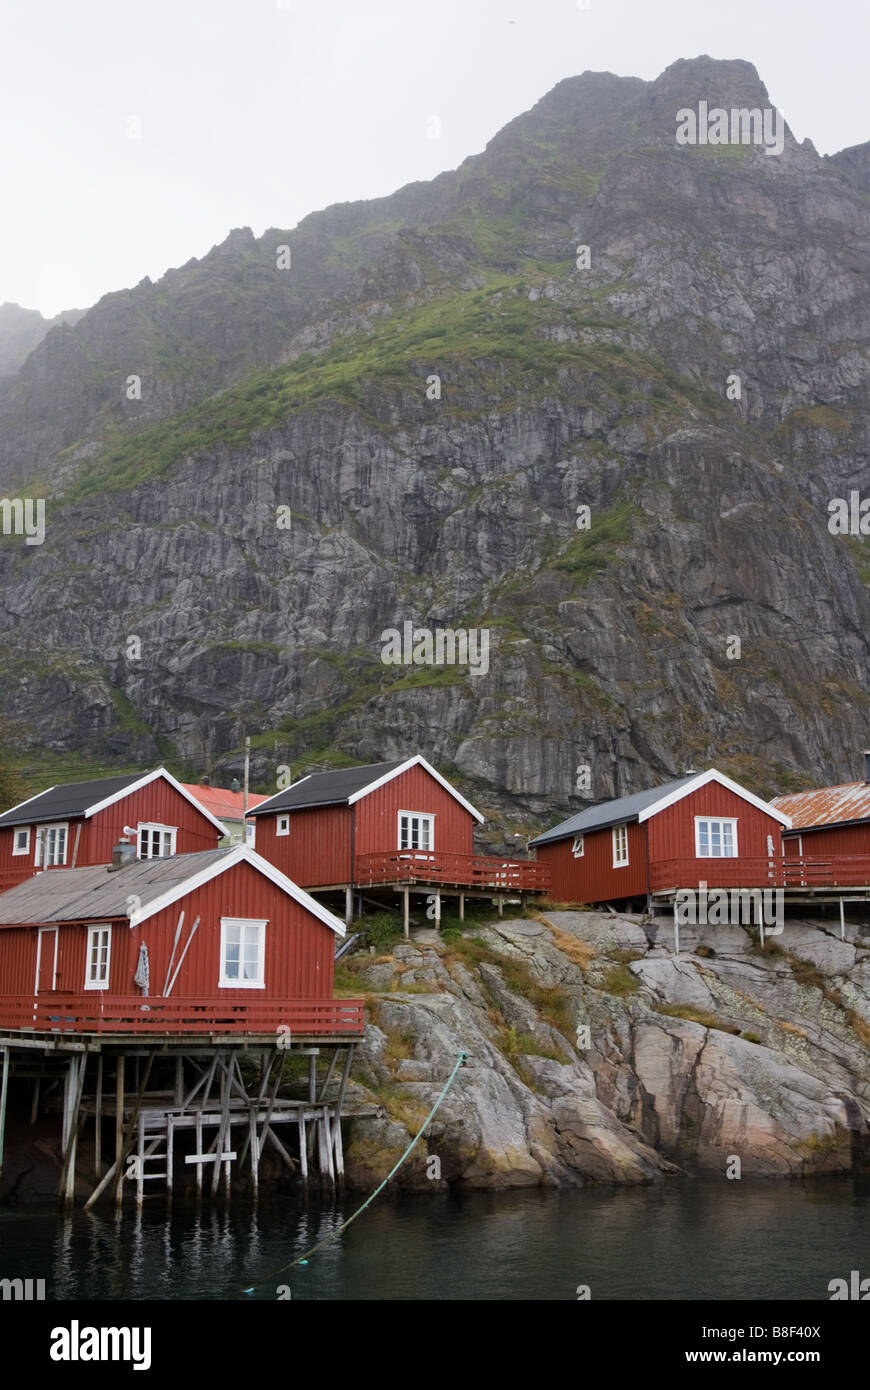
393	825
78	824
195	943
702	828
830	827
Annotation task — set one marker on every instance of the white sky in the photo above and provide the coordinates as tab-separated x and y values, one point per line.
257	112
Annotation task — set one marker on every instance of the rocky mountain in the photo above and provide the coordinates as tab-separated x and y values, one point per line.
258	465
21	330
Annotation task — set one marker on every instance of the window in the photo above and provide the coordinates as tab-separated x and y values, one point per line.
282	825
50	846
416	830
251	833
97	964
21	840
578	849
715	839
242	953
156	841
620	846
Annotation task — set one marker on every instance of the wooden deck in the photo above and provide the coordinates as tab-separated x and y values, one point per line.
483	872
92	1013
834	875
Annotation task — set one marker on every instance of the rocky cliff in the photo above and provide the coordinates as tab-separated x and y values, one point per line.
248	481
726	1051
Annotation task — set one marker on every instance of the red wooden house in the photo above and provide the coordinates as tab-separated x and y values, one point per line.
828	823
78	824
391	825
216	941
701	828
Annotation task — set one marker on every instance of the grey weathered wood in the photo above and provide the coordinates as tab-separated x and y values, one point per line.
98	1119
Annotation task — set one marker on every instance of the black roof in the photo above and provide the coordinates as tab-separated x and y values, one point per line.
624	808
326	788
70	800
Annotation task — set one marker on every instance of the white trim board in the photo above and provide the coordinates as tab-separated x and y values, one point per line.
702	780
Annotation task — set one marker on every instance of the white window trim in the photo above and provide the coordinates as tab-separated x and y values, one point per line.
21	830
578	849
421	816
155	825
615	840
282	823
249	834
716	820
260	982
99	984
39	841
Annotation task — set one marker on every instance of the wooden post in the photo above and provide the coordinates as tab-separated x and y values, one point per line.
437	909
179	1080
198	1128
140	1161
348	906
255	1152
500	906
312	1078
462	907
170	1154
303	1145
222	1132
4	1089
98	1121
119	1105
72	1105
34	1108
336	1121
676	930
406	893
842	922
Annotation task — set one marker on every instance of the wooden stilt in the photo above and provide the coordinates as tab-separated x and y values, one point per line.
406	894
501	906
222	1131
98	1121
140	1162
303	1146
271	1135
437	910
119	1107
332	1061
179	1080
72	1109
462	907
255	1153
34	1107
348	906
676	931
170	1154
336	1120
312	1078
842	922
198	1128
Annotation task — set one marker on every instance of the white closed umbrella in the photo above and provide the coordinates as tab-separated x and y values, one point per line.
142	978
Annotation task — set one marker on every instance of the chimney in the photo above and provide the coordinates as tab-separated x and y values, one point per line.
123	853
867	765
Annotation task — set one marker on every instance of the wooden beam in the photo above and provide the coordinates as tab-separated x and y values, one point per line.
73	1095
98	1120
406	895
462	907
4	1090
119	1106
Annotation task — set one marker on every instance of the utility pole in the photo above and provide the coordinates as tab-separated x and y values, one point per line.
247	777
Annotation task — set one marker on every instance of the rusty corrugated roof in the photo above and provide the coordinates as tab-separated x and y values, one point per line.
222	802
850	801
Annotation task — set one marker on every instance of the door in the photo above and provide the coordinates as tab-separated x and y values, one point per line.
46	961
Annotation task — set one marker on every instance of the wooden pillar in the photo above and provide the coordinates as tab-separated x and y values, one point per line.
140	1161
677	931
303	1145
72	1100
336	1121
170	1154
348	906
119	1107
501	906
842	922
198	1129
98	1121
255	1152
179	1080
462	907
437	910
406	894
4	1090
312	1078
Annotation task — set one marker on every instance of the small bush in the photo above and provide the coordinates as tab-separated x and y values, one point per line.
751	1037
619	980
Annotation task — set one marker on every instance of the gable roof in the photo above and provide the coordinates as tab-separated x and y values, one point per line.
74	799
347	785
641	806
95	894
848	803
221	801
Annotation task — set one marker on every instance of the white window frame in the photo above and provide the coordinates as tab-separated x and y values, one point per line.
150	825
97	930
282	823
244	922
249	837
619	839
422	816
578	849
21	830
715	820
42	832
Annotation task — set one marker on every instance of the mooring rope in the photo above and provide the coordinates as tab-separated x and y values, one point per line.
303	1259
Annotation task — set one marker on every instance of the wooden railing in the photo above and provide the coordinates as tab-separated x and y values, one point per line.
96	1012
838	871
462	870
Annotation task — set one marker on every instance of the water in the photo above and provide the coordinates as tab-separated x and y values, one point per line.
694	1239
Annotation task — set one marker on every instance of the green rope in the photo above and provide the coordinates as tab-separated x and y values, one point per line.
303	1259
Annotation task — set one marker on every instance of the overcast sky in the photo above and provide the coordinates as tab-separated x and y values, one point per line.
256	112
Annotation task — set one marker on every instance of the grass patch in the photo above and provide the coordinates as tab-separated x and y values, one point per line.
578	952
589	552
619	980
400	1106
693	1015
